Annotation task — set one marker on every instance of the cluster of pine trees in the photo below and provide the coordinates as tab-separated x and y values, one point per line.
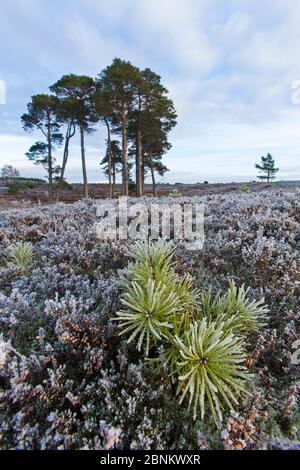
131	103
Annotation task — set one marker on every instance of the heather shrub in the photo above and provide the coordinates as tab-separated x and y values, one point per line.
69	381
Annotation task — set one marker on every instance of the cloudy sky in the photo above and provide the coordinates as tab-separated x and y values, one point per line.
229	67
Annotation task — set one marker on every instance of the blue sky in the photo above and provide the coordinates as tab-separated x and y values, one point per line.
229	67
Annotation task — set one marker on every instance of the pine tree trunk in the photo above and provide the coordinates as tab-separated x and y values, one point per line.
138	162
50	168
69	134
139	188
84	173
143	178
124	154
63	168
109	159
114	179
153	177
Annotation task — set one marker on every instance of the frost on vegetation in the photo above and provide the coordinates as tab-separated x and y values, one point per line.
77	384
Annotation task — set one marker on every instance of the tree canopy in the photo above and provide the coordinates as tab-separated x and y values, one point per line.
43	114
77	93
132	104
267	168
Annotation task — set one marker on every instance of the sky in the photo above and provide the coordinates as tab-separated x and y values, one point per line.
229	67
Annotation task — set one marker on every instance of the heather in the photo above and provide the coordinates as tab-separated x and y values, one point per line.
70	381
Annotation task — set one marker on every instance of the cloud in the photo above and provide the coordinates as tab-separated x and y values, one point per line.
228	66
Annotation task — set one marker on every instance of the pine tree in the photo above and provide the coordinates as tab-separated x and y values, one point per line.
104	107
66	115
152	118
155	145
42	115
267	167
79	90
113	152
120	80
39	155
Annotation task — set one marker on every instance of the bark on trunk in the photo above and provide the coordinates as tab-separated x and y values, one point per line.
69	134
50	168
153	177
109	160
143	178
114	179
124	154
84	173
138	162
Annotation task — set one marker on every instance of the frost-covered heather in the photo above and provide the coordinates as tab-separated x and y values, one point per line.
67	381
